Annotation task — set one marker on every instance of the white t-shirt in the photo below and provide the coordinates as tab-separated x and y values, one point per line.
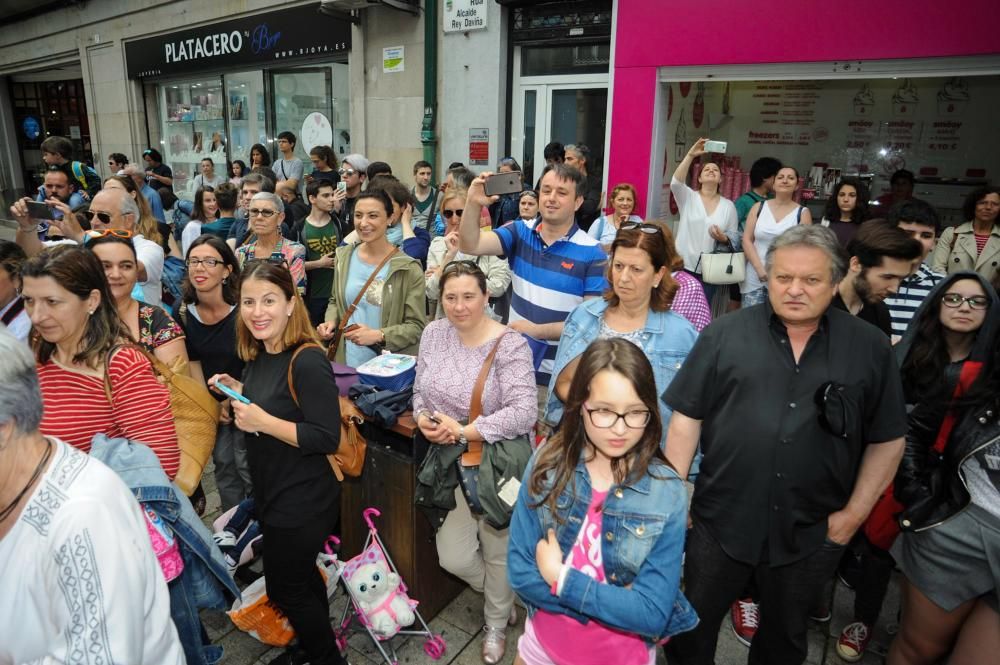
151	256
20	325
80	582
189	235
692	238
213	182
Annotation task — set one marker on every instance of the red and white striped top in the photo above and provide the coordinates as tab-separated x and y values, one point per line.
76	406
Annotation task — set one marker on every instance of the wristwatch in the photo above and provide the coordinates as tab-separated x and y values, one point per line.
461	437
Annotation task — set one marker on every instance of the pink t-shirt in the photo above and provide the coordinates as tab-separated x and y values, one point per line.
569	642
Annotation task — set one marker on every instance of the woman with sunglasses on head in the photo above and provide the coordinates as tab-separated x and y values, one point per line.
265	243
604	228
528	205
83	356
208	316
593	599
293	425
382	287
149	325
452	351
705	216
637	308
948	481
444	250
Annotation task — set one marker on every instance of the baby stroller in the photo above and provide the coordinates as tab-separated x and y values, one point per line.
379	603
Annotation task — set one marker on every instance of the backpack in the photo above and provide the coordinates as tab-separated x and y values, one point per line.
349	460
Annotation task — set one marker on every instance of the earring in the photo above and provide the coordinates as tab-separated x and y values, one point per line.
656	285
225	280
90	312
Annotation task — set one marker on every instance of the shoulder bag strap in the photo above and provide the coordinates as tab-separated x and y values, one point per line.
476	405
798	215
291	382
14	310
335	342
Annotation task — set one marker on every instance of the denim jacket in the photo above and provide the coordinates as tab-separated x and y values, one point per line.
205	582
644	526
666	340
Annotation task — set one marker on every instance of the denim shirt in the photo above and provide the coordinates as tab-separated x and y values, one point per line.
644	526
205	579
666	340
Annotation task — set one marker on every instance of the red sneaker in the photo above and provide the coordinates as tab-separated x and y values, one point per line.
745	615
853	641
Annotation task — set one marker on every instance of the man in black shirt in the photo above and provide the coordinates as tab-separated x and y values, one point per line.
800	414
882	256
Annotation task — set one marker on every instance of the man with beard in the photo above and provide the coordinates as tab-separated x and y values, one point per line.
882	256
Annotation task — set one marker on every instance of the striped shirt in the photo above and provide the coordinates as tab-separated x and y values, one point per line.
550	280
912	291
77	408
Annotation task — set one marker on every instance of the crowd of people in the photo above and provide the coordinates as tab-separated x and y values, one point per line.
841	419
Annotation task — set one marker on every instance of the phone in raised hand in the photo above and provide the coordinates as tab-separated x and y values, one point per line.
231	393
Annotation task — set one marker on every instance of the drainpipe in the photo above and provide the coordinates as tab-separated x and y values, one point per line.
427	137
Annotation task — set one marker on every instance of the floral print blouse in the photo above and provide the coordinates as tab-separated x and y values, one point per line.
156	327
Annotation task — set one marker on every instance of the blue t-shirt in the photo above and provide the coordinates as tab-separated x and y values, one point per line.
550	280
369	311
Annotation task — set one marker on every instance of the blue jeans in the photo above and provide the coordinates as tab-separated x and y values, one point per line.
755	297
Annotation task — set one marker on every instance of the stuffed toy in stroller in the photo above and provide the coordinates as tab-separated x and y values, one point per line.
378	592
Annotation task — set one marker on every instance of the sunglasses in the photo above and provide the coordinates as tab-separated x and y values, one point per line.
830	409
266	214
955	300
462	264
275	260
642	226
104	217
347	172
448	214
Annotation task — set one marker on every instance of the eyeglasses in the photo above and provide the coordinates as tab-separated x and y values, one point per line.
606	418
642	226
955	300
830	409
208	263
448	214
347	172
258	212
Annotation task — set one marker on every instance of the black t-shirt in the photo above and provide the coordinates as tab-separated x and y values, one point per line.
164	171
214	346
294	485
772	472
877	314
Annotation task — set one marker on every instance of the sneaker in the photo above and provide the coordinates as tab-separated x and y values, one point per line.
820	614
494	645
231	564
745	615
853	641
224	539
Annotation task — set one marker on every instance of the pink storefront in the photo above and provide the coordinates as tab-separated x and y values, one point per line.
859	88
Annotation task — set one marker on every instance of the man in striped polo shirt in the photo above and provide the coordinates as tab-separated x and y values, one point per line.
920	220
555	264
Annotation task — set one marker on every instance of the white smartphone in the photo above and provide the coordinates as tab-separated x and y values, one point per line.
715	146
341	186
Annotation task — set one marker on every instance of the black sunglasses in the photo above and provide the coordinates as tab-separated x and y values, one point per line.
642	226
830	409
448	214
275	260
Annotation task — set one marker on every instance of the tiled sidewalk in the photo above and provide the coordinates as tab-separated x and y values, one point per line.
460	624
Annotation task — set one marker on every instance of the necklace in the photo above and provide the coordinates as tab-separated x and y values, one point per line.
5	513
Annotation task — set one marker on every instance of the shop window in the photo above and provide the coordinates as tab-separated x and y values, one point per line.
247	123
193	128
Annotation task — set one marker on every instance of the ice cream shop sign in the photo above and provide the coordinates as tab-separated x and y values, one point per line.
298	33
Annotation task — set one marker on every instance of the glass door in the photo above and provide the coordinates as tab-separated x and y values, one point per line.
246	116
303	105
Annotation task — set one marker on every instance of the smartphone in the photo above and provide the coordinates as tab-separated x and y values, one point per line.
504	183
232	393
715	146
351	328
341	186
38	210
434	420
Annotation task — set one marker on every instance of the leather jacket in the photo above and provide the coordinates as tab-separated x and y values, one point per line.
932	486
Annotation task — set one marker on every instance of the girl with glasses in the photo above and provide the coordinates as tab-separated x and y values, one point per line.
948	481
591	598
444	250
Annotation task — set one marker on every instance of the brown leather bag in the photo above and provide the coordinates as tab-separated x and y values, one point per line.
331	350
473	455
349	460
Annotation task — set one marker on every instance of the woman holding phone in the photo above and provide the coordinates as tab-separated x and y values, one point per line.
382	287
294	425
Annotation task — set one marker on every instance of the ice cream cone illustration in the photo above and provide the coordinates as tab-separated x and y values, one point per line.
864	101
905	99
953	97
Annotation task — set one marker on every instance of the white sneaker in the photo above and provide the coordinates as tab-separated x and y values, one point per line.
494	645
224	539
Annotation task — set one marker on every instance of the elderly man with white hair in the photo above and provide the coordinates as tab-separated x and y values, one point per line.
112	211
81	579
138	176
